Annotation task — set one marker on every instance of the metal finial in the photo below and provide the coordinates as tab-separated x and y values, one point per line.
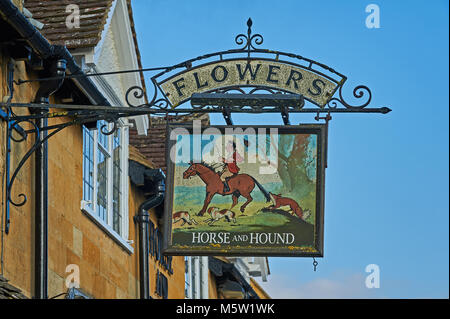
249	40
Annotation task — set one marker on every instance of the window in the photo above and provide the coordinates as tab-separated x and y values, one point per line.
162	286
196	277
187	277
105	186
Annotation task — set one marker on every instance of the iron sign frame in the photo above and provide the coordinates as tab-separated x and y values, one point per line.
322	132
249	52
159	104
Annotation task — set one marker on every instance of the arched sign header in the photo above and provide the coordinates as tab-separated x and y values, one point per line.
243	72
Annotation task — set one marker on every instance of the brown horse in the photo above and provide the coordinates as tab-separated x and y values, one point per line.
240	185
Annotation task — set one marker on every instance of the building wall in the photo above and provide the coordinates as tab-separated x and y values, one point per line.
106	269
258	289
175	280
16	248
108	60
212	287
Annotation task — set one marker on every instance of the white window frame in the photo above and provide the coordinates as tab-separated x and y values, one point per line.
196	277
89	208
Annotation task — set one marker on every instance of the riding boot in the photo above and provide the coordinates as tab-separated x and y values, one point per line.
226	188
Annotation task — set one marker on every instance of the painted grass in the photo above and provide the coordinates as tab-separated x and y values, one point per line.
252	219
277	221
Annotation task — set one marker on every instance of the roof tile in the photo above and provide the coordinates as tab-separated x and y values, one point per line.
52	13
93	16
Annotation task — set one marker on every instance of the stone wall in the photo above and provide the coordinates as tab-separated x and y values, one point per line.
106	269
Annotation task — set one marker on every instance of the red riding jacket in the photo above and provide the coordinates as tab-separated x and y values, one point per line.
232	162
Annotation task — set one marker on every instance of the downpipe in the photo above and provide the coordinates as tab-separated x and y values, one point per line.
47	88
142	218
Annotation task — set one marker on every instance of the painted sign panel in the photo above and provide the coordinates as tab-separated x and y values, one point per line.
255	72
253	191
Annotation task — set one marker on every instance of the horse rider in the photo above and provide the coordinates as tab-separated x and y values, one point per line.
230	165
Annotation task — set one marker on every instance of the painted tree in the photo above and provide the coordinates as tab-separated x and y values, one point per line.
296	163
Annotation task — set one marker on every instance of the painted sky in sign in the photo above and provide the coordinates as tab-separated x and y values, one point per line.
387	177
256	155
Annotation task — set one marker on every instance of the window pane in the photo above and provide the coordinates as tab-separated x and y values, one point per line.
187	279
102	194
193	278
117	172
88	165
102	138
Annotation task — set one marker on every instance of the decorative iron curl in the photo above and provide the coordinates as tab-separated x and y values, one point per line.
36	144
240	38
104	127
358	92
158	103
11	136
249	39
27	155
161	104
137	92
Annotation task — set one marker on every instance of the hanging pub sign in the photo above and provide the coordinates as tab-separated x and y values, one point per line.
257	191
245	191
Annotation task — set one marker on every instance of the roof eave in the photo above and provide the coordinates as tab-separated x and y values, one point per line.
10	13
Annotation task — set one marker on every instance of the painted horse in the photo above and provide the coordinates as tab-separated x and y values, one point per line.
239	185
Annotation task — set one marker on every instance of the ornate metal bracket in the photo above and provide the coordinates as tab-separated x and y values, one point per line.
245	98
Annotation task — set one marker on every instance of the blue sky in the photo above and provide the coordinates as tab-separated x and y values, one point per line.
387	199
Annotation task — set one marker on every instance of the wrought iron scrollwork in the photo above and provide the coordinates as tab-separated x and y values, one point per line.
248	44
161	104
36	144
358	92
22	138
249	39
105	131
138	93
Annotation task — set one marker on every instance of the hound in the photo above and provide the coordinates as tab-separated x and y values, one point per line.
184	216
217	215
